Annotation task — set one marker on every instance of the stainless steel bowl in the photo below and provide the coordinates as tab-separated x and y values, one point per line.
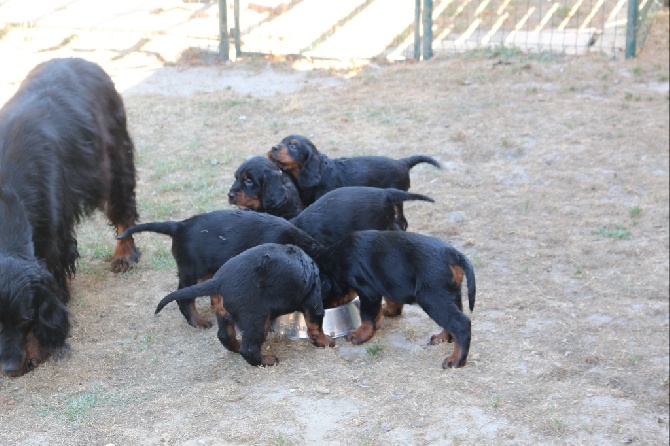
337	322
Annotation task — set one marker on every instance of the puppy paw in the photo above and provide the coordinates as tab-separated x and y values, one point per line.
269	360
199	322
323	340
449	363
441	337
362	334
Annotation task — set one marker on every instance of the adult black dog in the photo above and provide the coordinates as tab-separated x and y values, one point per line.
315	174
261	186
64	151
406	268
258	285
203	243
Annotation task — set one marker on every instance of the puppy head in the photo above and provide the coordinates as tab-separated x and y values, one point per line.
245	193
261	186
33	319
299	157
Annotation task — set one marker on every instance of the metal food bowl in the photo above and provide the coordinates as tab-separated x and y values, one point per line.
337	322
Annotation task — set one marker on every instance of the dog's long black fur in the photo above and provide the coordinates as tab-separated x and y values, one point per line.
261	186
203	243
347	209
406	268
64	151
258	285
315	173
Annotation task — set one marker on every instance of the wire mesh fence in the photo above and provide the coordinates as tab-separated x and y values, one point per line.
344	29
387	28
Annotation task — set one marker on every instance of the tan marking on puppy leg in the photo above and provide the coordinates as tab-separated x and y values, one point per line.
391	309
362	334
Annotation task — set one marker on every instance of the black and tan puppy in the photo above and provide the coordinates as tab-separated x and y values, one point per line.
261	186
204	242
64	151
348	209
406	268
315	174
257	286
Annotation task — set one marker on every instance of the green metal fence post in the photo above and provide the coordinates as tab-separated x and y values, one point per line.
238	50
224	44
427	29
417	30
631	29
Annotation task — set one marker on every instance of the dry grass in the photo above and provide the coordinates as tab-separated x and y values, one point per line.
570	341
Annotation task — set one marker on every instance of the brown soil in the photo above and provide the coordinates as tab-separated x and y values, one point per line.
555	184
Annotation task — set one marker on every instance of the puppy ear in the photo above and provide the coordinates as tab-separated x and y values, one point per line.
53	318
274	193
310	169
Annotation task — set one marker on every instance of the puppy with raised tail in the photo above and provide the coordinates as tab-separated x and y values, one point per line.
406	268
258	285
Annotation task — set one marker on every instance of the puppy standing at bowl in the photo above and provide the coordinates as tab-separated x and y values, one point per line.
258	285
405	267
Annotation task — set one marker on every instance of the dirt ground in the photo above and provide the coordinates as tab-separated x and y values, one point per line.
554	183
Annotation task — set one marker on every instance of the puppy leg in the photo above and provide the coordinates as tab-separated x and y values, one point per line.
391	309
189	310
445	312
314	313
227	334
371	313
121	207
253	335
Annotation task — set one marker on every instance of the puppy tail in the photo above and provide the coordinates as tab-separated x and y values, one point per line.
398	196
161	227
470	276
412	161
206	288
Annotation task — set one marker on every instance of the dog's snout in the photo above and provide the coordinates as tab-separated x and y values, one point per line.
231	197
276	148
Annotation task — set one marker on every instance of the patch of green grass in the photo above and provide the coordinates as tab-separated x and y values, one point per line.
375	350
162	259
281	440
80	407
614	231
559	425
146	342
635	212
495	403
633	359
578	271
496	52
637	71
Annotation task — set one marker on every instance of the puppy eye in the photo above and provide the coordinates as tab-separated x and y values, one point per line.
248	182
291	146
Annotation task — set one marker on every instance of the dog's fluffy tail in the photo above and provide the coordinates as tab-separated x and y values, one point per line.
398	196
161	227
206	288
412	161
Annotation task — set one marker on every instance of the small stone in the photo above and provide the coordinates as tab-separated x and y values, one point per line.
385	427
322	389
